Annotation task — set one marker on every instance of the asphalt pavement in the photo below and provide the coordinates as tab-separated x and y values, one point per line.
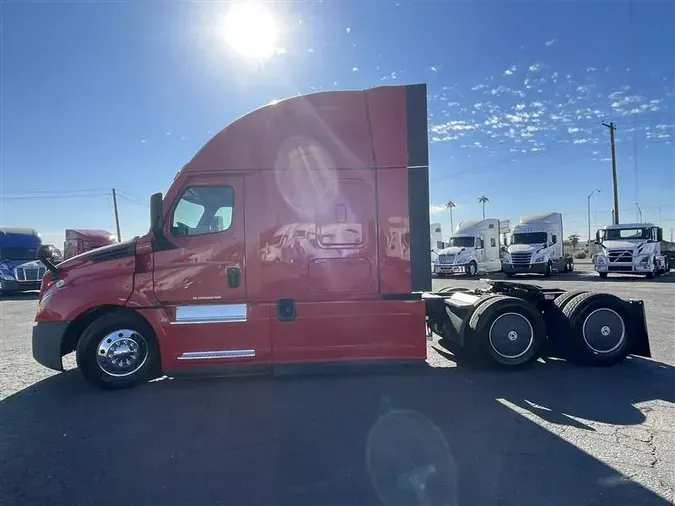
555	434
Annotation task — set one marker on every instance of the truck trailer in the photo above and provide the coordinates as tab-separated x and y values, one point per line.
536	246
338	183
630	248
83	240
473	249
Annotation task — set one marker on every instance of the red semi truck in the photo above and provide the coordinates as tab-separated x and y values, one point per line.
83	240
298	238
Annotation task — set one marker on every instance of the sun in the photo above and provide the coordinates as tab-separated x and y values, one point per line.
251	30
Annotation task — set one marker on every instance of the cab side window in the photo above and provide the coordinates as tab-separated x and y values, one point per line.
203	210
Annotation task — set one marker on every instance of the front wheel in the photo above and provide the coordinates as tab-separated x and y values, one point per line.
118	350
473	269
547	273
602	274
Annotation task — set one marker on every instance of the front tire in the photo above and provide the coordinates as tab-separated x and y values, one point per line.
603	275
547	273
473	269
117	350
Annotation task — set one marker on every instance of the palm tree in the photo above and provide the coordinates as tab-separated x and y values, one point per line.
574	240
482	200
449	206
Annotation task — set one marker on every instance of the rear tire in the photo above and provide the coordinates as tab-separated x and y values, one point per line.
599	329
603	275
117	350
507	332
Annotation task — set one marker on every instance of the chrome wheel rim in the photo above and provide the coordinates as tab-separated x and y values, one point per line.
511	335
604	330
122	353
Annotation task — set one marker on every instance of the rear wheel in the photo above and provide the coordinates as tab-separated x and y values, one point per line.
602	274
118	350
598	329
506	331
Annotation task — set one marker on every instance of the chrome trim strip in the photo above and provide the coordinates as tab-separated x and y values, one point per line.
211	313
210	355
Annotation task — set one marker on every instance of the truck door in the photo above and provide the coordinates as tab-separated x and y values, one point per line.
201	281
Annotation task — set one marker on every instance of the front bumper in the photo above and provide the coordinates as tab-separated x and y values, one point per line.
47	343
623	267
11	285
538	268
451	269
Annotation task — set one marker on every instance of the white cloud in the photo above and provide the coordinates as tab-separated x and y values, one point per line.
167	134
393	75
434	69
348	30
549	43
591	69
143	141
509	71
479	87
581	141
436	208
535	67
355	69
572	130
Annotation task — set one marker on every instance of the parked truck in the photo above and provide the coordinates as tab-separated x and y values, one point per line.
82	240
20	271
630	248
473	249
201	292
536	246
437	243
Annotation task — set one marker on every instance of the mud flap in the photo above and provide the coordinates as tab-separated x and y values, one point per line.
640	345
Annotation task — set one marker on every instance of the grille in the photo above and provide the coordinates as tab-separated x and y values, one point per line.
620	268
521	258
30	273
446	259
620	256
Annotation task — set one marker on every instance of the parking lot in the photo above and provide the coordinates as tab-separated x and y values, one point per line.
555	434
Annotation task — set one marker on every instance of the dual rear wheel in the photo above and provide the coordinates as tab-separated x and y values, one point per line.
593	328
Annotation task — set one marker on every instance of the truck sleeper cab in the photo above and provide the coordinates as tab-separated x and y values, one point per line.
536	247
473	249
297	238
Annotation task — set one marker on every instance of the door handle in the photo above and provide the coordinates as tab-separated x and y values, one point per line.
233	277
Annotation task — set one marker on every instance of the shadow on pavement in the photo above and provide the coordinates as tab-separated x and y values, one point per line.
20	296
325	440
618	278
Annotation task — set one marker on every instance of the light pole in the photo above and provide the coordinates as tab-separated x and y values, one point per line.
589	217
639	211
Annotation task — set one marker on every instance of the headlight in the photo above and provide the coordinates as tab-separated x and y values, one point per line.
645	259
6	275
462	259
540	258
49	294
600	259
507	258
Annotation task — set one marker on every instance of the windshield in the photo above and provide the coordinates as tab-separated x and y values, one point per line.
626	233
18	253
462	242
531	238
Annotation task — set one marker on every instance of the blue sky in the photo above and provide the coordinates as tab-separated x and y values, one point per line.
98	95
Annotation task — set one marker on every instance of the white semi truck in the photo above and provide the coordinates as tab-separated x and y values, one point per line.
472	249
630	248
436	242
536	246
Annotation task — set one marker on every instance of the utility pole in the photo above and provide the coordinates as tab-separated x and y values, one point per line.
612	129
589	217
117	218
